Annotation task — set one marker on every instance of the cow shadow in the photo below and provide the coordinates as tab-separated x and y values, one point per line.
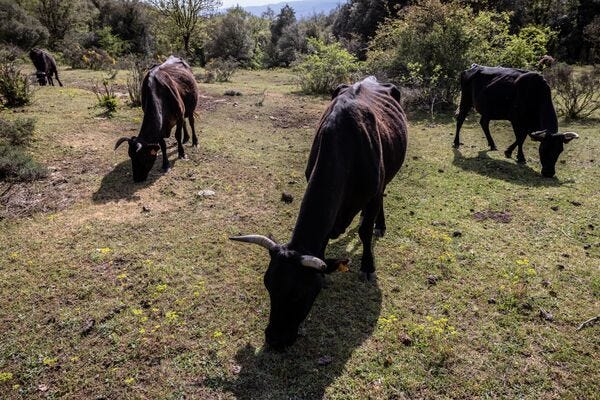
506	170
344	315
118	184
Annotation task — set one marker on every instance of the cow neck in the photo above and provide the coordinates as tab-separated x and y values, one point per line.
151	130
320	204
548	118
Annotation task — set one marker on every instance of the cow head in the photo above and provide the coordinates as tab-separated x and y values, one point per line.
293	281
551	145
41	78
142	156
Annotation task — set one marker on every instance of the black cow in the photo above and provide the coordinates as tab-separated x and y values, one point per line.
521	97
45	66
169	94
359	147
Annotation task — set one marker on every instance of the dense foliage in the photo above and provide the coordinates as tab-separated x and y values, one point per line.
577	94
15	163
325	67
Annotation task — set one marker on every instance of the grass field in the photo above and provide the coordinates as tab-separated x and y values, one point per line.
110	290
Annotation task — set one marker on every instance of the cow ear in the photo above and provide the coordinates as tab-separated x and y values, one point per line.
337	265
538	136
153	149
338	90
395	92
568	136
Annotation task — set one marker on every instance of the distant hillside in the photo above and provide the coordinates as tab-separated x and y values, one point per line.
304	8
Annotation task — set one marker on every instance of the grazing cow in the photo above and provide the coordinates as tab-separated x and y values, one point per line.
45	66
519	96
358	148
169	94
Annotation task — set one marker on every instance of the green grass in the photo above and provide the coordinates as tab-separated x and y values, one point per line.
101	299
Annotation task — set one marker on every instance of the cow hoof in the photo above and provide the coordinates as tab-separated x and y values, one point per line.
183	158
507	154
456	145
195	145
166	169
368	276
378	233
493	148
521	161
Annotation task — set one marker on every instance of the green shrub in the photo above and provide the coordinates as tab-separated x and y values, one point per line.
93	58
15	87
577	95
18	132
106	97
220	70
427	48
19	28
15	164
327	66
137	71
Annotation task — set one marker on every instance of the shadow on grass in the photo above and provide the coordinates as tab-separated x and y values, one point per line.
505	170
118	184
343	317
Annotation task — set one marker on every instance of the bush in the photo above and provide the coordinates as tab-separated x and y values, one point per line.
106	97
137	71
18	132
18	28
428	47
577	94
327	67
220	70
15	164
15	87
93	58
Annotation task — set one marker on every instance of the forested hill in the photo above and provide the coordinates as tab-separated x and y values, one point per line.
303	9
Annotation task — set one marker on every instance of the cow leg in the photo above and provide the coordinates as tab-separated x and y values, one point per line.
49	78
365	232
163	149
186	135
380	224
178	129
192	125
485	125
56	75
511	148
460	119
520	140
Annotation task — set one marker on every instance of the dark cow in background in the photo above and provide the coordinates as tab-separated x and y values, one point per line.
45	66
521	97
169	94
359	147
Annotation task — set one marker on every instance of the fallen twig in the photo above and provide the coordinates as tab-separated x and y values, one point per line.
587	323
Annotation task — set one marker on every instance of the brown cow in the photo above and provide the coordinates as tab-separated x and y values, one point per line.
169	94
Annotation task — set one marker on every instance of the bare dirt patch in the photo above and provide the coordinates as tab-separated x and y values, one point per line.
498	216
284	118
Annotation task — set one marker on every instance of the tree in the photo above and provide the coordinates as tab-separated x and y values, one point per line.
232	37
18	28
283	27
186	16
58	16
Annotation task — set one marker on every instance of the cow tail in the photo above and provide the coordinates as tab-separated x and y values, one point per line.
466	99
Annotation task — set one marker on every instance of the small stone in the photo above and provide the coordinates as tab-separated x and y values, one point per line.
554	208
457	234
546	315
587	246
325	360
491	300
405	339
236	369
43	388
545	283
576	203
287	198
560	267
87	328
432	279
206	193
146	209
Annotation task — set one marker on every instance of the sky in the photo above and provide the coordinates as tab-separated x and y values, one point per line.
243	3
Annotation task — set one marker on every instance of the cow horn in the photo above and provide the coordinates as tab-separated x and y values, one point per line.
313	262
538	135
570	136
260	240
120	142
